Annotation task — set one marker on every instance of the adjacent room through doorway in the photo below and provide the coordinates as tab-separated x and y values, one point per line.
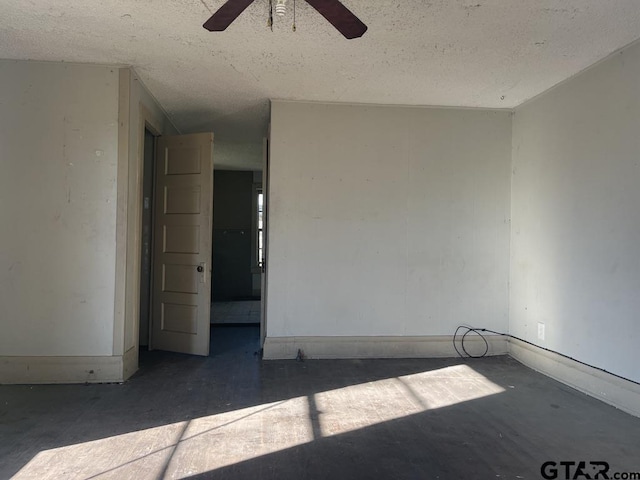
236	257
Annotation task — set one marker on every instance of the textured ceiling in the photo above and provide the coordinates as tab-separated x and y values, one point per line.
472	53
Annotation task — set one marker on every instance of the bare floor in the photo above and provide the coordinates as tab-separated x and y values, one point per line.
234	416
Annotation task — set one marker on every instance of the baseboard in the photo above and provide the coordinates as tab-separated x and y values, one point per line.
280	348
45	370
130	362
613	390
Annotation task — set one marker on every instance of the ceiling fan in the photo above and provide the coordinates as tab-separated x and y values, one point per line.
335	12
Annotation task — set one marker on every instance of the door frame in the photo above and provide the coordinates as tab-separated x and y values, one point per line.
266	156
135	175
144	177
147	123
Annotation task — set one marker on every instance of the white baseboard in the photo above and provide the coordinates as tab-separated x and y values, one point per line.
130	362
610	389
281	348
44	370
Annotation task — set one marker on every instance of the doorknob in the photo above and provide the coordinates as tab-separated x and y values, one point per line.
201	268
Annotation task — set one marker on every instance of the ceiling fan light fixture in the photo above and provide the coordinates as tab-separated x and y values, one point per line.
333	11
281	8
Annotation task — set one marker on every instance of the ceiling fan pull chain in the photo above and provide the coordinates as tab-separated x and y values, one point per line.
294	15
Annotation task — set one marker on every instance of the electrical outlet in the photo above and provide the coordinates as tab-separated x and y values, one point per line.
540	331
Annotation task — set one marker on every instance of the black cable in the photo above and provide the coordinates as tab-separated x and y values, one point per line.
478	330
469	330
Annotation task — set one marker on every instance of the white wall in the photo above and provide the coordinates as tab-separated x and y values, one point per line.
387	220
58	152
575	243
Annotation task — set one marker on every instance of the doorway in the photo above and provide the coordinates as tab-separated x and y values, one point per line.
234	277
236	258
146	258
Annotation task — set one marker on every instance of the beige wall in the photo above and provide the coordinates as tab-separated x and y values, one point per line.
575	242
69	204
387	220
58	148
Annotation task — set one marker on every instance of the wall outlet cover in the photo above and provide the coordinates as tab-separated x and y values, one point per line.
540	331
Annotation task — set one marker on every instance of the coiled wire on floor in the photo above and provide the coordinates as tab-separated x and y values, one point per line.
463	337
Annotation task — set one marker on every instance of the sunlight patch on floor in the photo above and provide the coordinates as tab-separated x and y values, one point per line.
348	409
188	448
180	449
141	454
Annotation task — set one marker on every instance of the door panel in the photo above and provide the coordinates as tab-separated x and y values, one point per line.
183	200
181	239
182	244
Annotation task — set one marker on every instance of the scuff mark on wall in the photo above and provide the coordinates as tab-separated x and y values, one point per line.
13	265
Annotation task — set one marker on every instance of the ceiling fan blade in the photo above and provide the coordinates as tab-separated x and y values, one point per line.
340	17
226	14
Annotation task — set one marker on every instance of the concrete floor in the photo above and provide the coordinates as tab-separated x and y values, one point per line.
233	416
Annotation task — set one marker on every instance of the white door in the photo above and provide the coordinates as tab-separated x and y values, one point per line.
182	243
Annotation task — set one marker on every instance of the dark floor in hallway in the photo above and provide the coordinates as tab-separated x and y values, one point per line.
231	415
235	342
